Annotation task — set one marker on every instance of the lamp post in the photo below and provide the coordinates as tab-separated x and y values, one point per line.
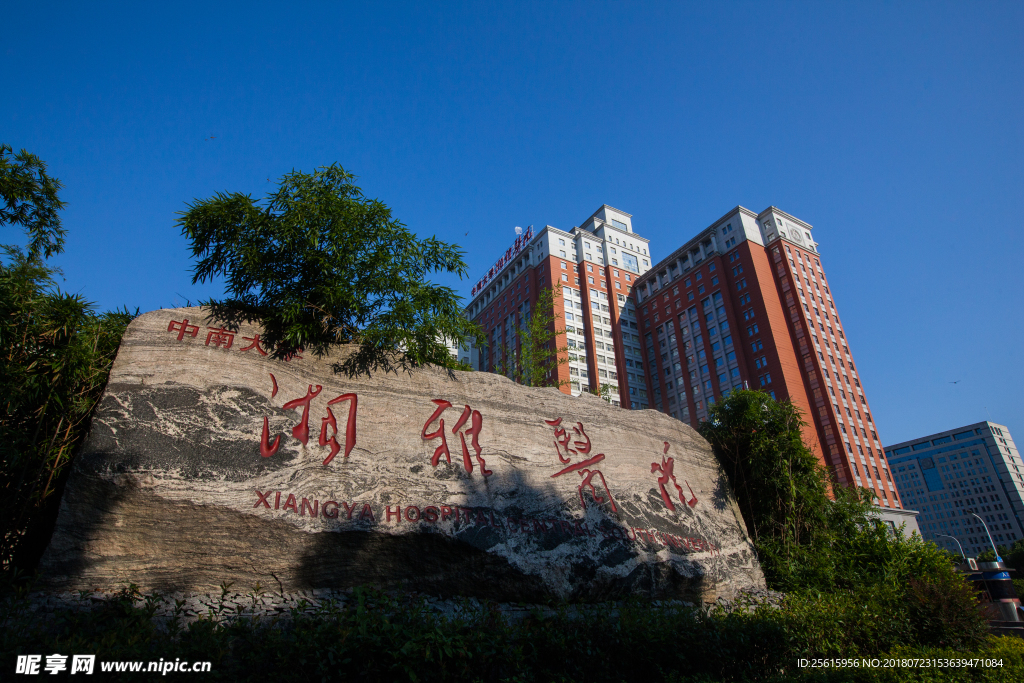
958	545
998	584
998	559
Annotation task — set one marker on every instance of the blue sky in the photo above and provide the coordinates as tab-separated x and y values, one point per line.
894	128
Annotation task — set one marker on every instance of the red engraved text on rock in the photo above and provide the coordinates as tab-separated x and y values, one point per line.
475	421
220	337
666	468
350	427
583	467
182	328
255	339
301	430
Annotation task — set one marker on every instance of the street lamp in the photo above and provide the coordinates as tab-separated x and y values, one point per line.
998	559
958	544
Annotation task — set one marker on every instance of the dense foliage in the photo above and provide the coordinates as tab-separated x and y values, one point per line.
777	480
371	639
319	264
816	538
532	357
28	197
55	355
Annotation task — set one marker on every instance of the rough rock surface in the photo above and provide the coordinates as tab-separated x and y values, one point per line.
204	465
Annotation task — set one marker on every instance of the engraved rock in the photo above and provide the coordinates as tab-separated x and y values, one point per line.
210	462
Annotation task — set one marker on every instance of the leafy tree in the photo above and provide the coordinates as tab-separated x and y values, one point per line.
55	356
1014	557
604	390
813	536
28	197
780	486
319	264
535	359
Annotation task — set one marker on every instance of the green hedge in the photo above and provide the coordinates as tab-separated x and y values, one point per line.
642	643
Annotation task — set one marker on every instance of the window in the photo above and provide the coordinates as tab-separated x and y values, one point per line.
562	254
590	268
565	278
563	265
590	279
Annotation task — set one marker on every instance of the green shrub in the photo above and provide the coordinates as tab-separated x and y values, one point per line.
375	639
56	356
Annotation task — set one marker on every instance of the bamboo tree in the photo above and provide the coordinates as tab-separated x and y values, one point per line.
536	357
55	356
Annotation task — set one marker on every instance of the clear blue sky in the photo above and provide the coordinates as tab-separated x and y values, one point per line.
894	128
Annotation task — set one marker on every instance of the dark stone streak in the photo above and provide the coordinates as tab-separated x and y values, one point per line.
225	545
133	441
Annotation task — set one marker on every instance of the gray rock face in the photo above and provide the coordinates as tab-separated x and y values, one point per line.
209	462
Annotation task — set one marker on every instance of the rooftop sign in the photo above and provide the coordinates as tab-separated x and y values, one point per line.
510	253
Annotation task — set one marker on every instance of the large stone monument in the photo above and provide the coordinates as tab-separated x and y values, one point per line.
208	461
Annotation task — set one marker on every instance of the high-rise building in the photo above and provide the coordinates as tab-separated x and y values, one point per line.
746	304
592	269
949	475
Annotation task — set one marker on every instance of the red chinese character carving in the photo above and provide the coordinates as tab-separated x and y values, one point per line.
562	440
255	344
476	421
350	427
301	430
584	466
666	468
220	337
266	449
182	328
443	448
294	355
587	476
582	446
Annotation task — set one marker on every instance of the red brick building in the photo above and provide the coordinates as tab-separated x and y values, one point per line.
592	268
746	304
